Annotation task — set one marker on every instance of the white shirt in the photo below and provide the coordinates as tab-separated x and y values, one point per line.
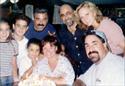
110	72
63	67
22	54
25	64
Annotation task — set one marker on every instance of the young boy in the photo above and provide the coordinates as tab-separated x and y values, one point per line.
20	26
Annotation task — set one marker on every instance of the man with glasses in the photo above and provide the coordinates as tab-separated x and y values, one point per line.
71	37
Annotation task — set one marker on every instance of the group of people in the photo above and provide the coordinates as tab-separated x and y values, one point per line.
88	50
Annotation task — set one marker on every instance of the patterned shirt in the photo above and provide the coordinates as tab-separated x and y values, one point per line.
7	51
63	68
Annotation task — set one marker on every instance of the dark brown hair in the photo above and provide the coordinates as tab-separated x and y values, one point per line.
34	41
22	17
53	41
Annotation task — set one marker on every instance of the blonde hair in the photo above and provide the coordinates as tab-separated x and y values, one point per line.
91	6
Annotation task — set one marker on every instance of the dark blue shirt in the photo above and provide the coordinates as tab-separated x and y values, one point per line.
74	48
32	33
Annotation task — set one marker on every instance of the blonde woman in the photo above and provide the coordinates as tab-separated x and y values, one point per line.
90	15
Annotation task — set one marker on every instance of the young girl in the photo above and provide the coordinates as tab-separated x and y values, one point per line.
8	53
33	55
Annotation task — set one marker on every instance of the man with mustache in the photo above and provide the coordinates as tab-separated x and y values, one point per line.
39	28
108	69
70	35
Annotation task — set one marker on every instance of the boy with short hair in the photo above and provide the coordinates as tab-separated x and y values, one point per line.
20	27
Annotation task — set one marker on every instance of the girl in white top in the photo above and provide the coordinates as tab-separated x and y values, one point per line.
33	55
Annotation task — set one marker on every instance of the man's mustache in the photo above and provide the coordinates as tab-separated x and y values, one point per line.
40	24
92	52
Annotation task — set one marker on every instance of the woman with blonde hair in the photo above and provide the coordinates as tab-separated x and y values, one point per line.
90	15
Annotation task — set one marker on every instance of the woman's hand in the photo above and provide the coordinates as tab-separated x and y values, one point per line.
34	60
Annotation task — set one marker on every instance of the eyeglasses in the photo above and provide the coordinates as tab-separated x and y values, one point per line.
67	13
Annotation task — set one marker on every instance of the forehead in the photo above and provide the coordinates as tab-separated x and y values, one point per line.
91	38
21	21
40	15
83	10
46	44
65	9
34	46
4	25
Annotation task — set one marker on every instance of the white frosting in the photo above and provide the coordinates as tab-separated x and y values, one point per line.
35	81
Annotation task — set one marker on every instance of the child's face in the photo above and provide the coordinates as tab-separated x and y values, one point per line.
33	51
20	27
4	31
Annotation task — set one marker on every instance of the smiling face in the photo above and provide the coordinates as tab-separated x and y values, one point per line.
49	50
20	27
33	51
66	14
4	31
40	21
95	49
87	16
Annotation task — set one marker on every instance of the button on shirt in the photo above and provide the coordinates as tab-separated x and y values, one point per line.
74	48
77	46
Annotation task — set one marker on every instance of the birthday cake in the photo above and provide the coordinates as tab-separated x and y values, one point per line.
35	81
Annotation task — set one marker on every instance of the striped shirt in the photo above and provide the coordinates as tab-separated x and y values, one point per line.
7	51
